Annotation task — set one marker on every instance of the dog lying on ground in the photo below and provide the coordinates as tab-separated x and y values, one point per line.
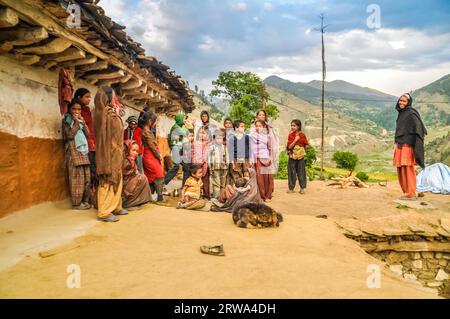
252	215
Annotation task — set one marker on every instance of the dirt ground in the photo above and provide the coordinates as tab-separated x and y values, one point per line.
154	252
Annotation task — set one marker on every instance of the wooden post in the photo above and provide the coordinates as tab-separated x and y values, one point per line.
324	72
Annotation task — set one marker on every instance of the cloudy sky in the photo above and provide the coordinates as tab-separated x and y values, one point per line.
390	46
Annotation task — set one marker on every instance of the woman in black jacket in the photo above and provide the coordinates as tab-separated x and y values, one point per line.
409	150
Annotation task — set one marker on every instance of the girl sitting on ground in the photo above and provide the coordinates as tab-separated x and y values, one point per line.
191	192
240	183
136	190
241	198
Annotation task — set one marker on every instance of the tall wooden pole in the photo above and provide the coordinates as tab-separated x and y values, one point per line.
322	31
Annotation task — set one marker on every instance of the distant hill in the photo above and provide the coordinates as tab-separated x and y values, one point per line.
356	123
356	101
334	90
438	150
339	86
343	132
369	104
435	106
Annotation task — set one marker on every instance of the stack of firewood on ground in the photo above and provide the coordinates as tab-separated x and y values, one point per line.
344	182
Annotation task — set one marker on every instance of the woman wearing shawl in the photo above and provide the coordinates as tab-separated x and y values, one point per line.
409	151
132	125
75	133
272	168
176	136
261	155
136	190
109	155
238	198
152	158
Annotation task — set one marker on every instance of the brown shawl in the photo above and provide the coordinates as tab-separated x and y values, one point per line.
238	199
108	139
65	90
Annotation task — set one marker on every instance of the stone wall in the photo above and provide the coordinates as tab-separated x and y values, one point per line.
416	249
431	269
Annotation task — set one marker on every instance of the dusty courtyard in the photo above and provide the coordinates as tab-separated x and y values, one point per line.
154	252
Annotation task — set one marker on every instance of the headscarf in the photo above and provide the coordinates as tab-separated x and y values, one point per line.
129	130
80	140
128	145
410	129
177	131
179	119
131	119
238	199
108	138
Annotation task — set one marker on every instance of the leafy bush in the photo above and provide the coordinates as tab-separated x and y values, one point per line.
310	173
282	172
310	157
362	176
283	159
331	175
346	160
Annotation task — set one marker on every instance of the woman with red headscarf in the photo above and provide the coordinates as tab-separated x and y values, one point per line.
136	190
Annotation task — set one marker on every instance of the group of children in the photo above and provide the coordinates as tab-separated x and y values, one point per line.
218	164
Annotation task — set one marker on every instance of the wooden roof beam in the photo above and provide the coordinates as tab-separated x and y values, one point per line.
23	36
8	18
104	75
89	59
31	11
99	65
57	45
67	55
28	59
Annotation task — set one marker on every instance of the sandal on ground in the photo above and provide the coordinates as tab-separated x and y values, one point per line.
213	250
121	212
216	202
87	205
82	206
111	218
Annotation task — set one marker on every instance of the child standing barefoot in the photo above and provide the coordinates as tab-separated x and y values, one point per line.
296	148
75	133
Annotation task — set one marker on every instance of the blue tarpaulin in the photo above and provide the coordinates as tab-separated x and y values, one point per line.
434	178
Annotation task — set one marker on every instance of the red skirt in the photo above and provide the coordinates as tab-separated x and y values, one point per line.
404	156
152	166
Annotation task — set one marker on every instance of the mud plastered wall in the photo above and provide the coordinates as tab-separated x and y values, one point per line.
31	147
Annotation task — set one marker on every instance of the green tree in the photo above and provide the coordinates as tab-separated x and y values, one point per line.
245	91
346	160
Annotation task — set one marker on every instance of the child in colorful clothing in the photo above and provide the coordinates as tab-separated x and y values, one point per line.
191	192
75	134
296	148
217	159
239	150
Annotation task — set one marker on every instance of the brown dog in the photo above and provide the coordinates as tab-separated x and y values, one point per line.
252	215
